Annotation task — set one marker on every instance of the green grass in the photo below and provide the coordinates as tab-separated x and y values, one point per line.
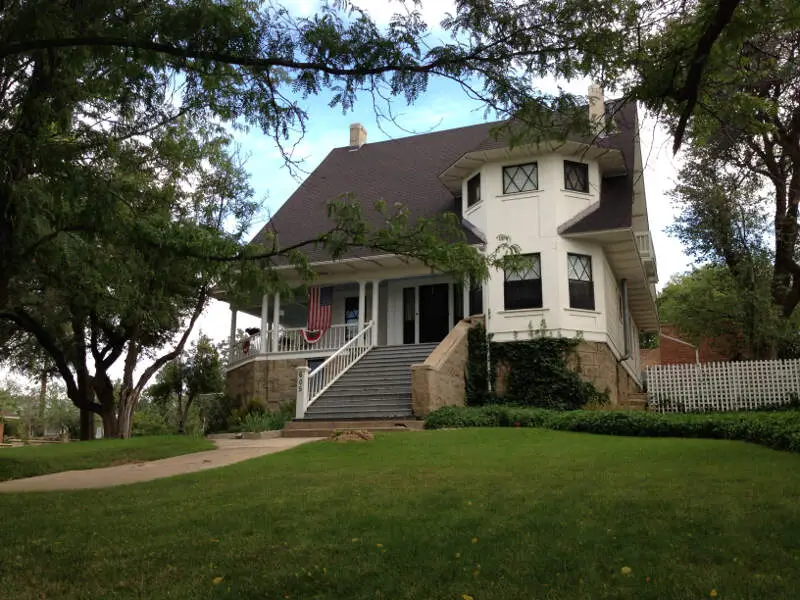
27	461
491	513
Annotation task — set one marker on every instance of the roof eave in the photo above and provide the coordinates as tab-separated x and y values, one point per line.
611	160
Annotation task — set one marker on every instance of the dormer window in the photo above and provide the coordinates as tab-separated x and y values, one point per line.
576	176
520	178
474	190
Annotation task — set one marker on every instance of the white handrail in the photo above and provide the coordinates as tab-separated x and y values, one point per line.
310	386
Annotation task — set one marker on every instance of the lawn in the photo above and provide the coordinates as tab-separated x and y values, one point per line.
27	461
475	513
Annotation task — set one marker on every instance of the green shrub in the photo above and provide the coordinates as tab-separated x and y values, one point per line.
216	411
537	371
778	430
148	420
476	378
262	420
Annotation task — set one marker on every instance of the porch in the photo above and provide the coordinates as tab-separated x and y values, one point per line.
388	312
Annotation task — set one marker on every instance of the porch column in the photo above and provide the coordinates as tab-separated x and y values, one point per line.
276	320
375	284
362	301
465	299
264	323
232	338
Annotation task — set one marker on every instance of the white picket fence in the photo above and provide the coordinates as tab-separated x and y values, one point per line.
723	386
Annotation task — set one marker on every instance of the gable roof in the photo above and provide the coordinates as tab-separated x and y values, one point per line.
402	171
406	171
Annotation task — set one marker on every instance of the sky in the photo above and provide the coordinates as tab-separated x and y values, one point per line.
443	106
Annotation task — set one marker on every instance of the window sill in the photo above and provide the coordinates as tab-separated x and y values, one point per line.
585	311
471	209
577	194
521	311
531	194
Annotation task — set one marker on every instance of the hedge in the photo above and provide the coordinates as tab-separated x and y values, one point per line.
777	430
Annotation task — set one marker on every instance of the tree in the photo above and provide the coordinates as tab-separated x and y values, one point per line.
122	209
723	222
748	120
708	304
104	103
182	381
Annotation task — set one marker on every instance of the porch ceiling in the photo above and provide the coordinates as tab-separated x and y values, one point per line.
349	271
623	256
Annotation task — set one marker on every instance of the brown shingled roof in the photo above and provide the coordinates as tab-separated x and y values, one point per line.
616	193
407	170
404	170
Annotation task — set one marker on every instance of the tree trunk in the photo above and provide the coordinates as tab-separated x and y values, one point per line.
42	399
87	425
110	422
104	390
183	414
127	404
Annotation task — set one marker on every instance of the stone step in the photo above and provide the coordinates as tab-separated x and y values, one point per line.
396	364
403	403
393	424
359	380
377	391
634	402
361	413
323	432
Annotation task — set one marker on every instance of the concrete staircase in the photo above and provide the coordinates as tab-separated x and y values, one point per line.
376	387
635	401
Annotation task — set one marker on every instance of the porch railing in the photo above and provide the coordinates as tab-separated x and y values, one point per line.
246	348
644	243
292	340
311	385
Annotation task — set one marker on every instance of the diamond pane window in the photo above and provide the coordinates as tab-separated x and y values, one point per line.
581	284
520	178
523	289
576	176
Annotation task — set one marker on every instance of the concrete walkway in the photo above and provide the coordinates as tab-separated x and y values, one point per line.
228	452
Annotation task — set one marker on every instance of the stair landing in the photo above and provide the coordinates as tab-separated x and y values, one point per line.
323	428
635	401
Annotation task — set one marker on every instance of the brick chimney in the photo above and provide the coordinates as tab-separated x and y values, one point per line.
358	135
597	109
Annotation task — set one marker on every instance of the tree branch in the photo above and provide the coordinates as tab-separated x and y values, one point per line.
22	47
176	351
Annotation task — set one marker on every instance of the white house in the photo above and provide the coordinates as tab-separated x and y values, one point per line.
577	207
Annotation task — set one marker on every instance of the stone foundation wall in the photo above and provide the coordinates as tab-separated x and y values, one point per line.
439	381
281	385
268	383
595	363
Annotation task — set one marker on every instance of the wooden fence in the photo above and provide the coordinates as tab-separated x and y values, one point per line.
723	386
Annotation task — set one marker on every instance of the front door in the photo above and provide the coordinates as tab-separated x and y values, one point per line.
409	315
434	312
